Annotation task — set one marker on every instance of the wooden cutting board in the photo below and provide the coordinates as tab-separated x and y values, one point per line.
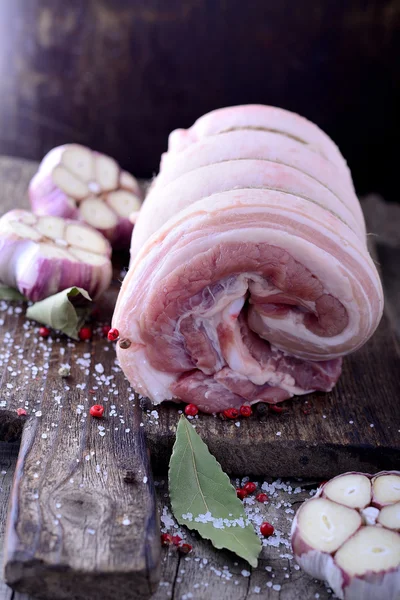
82	514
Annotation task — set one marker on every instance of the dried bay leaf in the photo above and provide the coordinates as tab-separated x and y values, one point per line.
65	311
9	293
203	498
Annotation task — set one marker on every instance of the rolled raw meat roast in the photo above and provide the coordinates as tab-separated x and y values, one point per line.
250	278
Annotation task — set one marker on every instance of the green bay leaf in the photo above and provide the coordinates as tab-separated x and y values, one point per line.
65	311
203	498
8	293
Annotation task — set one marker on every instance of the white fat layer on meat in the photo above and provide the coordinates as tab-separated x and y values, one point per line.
246	173
245	144
210	327
302	250
222	310
265	289
152	383
260	117
237	355
243	364
270	203
337	281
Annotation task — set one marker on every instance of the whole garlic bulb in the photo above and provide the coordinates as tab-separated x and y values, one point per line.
75	182
348	535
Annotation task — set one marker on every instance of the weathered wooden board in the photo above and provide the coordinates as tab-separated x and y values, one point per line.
82	517
206	574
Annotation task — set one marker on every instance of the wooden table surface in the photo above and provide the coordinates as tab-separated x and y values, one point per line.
208	574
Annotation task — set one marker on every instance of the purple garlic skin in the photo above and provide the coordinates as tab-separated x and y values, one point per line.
75	182
41	256
348	534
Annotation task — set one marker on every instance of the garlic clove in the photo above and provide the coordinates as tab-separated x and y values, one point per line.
52	227
352	490
123	203
82	236
325	525
79	161
107	172
20	230
128	182
97	214
386	488
389	516
68	183
371	549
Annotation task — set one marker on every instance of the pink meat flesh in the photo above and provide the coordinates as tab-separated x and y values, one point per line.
250	277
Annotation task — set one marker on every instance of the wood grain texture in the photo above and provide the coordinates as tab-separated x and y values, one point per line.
82	516
210	574
119	75
8	459
207	573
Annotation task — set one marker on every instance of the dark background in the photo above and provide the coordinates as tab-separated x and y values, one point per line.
119	75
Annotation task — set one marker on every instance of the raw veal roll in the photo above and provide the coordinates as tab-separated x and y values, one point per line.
45	255
75	182
250	277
